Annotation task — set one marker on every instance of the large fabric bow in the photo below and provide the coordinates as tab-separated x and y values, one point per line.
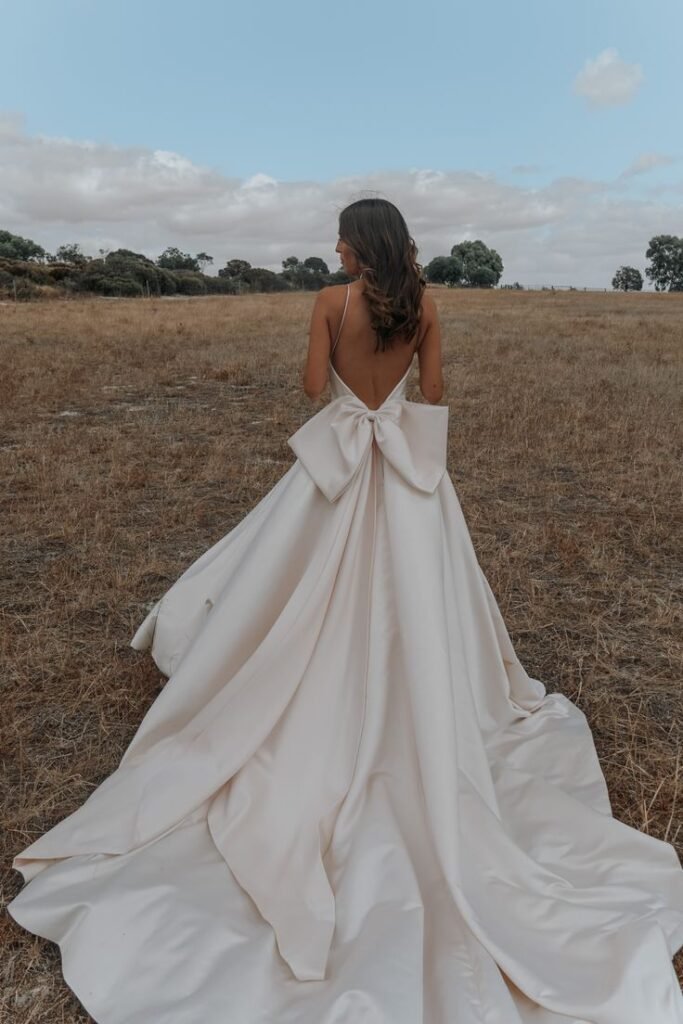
334	444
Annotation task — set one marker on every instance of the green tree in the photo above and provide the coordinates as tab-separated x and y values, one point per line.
483	277
234	268
338	276
628	279
70	253
666	269
173	259
444	270
124	272
260	279
294	272
14	247
203	260
482	267
316	266
312	274
236	272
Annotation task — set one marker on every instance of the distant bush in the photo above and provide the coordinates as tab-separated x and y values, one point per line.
221	286
167	283
124	272
112	284
24	280
190	282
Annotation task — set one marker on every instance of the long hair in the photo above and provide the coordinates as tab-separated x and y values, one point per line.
378	235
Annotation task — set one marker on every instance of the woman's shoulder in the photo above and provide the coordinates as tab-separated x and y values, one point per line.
333	294
428	304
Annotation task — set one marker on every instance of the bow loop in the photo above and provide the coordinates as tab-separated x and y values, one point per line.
334	444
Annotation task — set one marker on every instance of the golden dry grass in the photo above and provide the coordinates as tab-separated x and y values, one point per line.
135	434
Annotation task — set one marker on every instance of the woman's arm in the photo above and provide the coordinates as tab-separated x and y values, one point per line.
429	352
315	373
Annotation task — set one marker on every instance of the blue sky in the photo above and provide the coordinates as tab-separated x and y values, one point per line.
549	130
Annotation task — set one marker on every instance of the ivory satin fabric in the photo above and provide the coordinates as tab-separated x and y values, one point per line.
350	804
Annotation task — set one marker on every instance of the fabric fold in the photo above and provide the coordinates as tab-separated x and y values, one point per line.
334	444
350	780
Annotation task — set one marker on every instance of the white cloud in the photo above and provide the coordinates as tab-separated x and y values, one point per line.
262	181
646	162
526	169
608	80
569	231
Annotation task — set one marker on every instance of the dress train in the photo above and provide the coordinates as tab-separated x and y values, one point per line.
350	802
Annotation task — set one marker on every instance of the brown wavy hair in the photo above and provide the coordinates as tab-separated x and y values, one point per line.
378	235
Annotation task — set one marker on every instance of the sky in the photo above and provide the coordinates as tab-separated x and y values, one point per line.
550	131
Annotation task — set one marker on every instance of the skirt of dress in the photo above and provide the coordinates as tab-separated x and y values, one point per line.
350	804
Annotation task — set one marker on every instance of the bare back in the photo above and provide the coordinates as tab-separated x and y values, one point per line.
371	375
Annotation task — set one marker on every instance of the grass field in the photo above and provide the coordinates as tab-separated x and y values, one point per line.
136	433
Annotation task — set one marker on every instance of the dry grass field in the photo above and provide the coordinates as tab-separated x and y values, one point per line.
136	433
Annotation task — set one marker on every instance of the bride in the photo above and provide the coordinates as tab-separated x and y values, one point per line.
350	803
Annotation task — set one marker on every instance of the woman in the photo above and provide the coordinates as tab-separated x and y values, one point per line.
350	802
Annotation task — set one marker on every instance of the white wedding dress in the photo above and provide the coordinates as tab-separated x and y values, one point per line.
350	804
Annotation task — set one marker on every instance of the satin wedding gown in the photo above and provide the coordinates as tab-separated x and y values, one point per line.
350	804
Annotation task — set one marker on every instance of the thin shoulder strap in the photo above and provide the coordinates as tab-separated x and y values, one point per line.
348	292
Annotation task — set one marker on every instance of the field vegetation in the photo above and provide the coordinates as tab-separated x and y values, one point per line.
134	433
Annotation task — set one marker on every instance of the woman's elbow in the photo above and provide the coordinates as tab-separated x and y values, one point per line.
314	394
311	387
433	393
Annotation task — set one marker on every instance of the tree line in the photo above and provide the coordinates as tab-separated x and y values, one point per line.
28	271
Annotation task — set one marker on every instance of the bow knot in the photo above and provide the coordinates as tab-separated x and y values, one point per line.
334	444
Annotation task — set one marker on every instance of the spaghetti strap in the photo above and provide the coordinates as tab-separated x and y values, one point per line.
341	324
